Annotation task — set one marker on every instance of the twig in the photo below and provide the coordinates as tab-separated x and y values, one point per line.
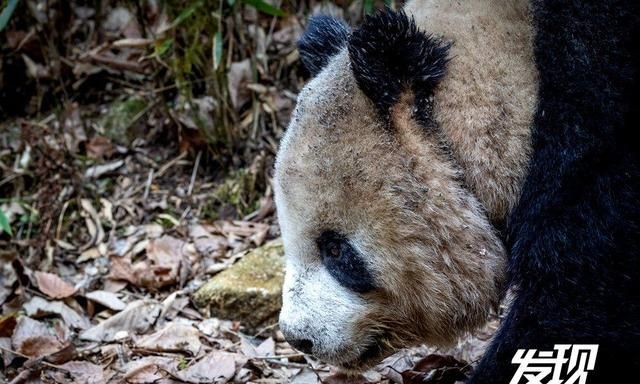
147	186
194	173
170	164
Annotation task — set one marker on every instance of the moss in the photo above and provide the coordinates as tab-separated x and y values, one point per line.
249	291
120	118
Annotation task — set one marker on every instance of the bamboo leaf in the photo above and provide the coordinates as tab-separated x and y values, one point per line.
4	223
162	47
217	50
186	13
265	7
6	13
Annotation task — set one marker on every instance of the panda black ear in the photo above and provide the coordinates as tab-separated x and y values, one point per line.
323	38
389	55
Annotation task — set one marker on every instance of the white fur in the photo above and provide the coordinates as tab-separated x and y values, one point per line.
316	307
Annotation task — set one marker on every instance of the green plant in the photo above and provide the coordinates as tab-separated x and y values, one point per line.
7	10
4	223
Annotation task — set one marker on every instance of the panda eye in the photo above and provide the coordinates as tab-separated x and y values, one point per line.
344	262
334	249
331	245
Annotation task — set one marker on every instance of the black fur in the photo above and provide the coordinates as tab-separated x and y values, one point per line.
344	262
323	38
389	55
575	236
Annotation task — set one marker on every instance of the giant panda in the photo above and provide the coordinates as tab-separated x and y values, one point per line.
451	151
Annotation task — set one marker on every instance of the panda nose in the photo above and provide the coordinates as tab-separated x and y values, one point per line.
302	345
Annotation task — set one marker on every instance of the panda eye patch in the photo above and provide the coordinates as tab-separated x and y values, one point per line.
344	262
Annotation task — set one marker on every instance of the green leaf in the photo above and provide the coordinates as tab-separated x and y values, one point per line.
389	3
186	13
4	223
217	50
265	7
163	47
368	6
6	13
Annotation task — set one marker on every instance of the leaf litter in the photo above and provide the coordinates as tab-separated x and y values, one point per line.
117	214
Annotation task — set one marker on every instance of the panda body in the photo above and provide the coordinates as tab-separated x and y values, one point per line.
443	154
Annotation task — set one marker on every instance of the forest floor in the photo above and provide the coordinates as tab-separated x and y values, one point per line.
119	199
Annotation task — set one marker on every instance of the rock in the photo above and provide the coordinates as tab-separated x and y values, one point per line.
249	291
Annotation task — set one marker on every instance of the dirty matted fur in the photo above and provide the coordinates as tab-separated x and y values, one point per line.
418	206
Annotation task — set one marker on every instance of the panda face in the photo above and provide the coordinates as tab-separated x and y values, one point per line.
385	248
402	150
329	271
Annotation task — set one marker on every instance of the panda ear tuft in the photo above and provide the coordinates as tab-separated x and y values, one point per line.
389	55
323	38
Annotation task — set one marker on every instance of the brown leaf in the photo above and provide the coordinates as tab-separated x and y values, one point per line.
437	369
138	317
99	147
53	286
67	353
173	337
216	367
165	255
149	369
34	339
122	269
37	307
81	372
7	325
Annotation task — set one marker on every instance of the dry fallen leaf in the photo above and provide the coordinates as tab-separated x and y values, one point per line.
137	317
149	369
265	349
122	269
53	286
305	376
238	77
173	337
34	338
165	256
97	171
107	299
7	324
216	367
99	147
7	357
80	372
38	306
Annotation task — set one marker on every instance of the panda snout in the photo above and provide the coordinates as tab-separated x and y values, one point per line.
302	345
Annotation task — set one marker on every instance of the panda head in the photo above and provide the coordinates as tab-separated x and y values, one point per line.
385	246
